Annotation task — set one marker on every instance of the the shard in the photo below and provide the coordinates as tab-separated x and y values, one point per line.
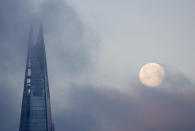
36	108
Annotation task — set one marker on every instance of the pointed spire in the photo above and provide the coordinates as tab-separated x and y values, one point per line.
36	89
40	39
30	38
30	44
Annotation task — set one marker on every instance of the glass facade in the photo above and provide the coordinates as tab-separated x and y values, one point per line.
36	108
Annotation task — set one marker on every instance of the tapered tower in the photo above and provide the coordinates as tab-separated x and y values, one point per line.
36	108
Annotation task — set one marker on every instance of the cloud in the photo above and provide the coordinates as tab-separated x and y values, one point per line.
13	25
8	112
70	51
149	110
68	43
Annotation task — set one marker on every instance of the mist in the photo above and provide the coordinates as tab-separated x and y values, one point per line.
87	91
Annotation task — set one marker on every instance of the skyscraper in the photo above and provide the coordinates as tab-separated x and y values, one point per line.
36	108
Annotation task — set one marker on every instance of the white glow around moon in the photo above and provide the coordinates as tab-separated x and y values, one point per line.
151	74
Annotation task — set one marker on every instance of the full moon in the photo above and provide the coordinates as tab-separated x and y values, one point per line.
151	74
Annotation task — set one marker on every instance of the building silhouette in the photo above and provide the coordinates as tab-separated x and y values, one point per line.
36	108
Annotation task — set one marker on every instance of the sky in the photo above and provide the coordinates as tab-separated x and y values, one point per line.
95	49
135	32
